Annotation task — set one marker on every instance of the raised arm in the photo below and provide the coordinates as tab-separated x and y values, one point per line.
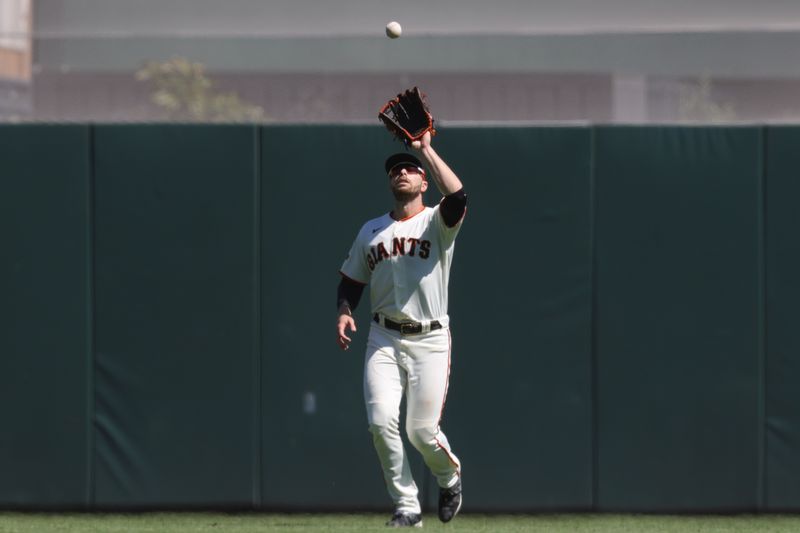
446	180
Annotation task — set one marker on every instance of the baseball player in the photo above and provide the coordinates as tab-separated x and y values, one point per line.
405	256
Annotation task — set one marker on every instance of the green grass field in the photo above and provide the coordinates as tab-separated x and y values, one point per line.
301	523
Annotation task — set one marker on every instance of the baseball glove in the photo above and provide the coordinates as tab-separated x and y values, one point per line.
407	117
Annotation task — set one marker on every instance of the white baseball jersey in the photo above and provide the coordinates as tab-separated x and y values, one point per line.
406	263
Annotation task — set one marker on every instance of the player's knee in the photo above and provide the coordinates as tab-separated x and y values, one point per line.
382	418
384	425
384	435
422	437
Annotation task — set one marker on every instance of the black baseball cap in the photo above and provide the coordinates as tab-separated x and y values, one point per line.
402	158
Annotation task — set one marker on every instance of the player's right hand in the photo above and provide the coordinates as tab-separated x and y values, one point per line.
345	321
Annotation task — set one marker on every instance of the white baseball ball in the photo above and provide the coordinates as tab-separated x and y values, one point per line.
393	30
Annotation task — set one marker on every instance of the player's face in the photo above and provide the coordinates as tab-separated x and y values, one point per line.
407	182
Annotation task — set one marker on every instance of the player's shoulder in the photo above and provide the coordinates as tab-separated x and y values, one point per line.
430	211
435	211
425	216
373	225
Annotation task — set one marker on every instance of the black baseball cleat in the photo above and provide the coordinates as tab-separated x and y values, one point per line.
449	502
400	519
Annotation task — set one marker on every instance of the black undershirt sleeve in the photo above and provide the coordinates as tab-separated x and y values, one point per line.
452	207
349	291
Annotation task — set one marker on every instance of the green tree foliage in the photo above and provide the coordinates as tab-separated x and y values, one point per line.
697	103
183	89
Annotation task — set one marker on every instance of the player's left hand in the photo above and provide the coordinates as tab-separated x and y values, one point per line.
423	142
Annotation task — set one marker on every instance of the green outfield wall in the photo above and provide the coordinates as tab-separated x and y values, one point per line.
623	303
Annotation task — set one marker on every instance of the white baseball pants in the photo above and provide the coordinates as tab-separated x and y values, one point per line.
419	366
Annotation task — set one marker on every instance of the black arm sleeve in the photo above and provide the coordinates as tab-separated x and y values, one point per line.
452	207
349	291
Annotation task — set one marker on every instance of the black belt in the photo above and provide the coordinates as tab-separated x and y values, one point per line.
405	328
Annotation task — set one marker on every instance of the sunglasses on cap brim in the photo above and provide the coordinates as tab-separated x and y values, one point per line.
407	165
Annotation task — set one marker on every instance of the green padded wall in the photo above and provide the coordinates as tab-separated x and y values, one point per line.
45	318
319	185
678	215
519	404
177	302
783	343
622	303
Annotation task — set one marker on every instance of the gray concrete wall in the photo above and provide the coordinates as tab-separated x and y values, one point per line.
366	17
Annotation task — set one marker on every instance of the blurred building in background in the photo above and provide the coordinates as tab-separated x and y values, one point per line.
614	61
15	59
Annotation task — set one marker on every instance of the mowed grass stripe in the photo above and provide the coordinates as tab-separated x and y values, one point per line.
189	522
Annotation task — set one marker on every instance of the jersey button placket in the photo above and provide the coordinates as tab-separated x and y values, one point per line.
397	277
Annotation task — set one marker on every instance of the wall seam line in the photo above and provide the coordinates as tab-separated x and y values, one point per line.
257	258
593	355
762	318
91	489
